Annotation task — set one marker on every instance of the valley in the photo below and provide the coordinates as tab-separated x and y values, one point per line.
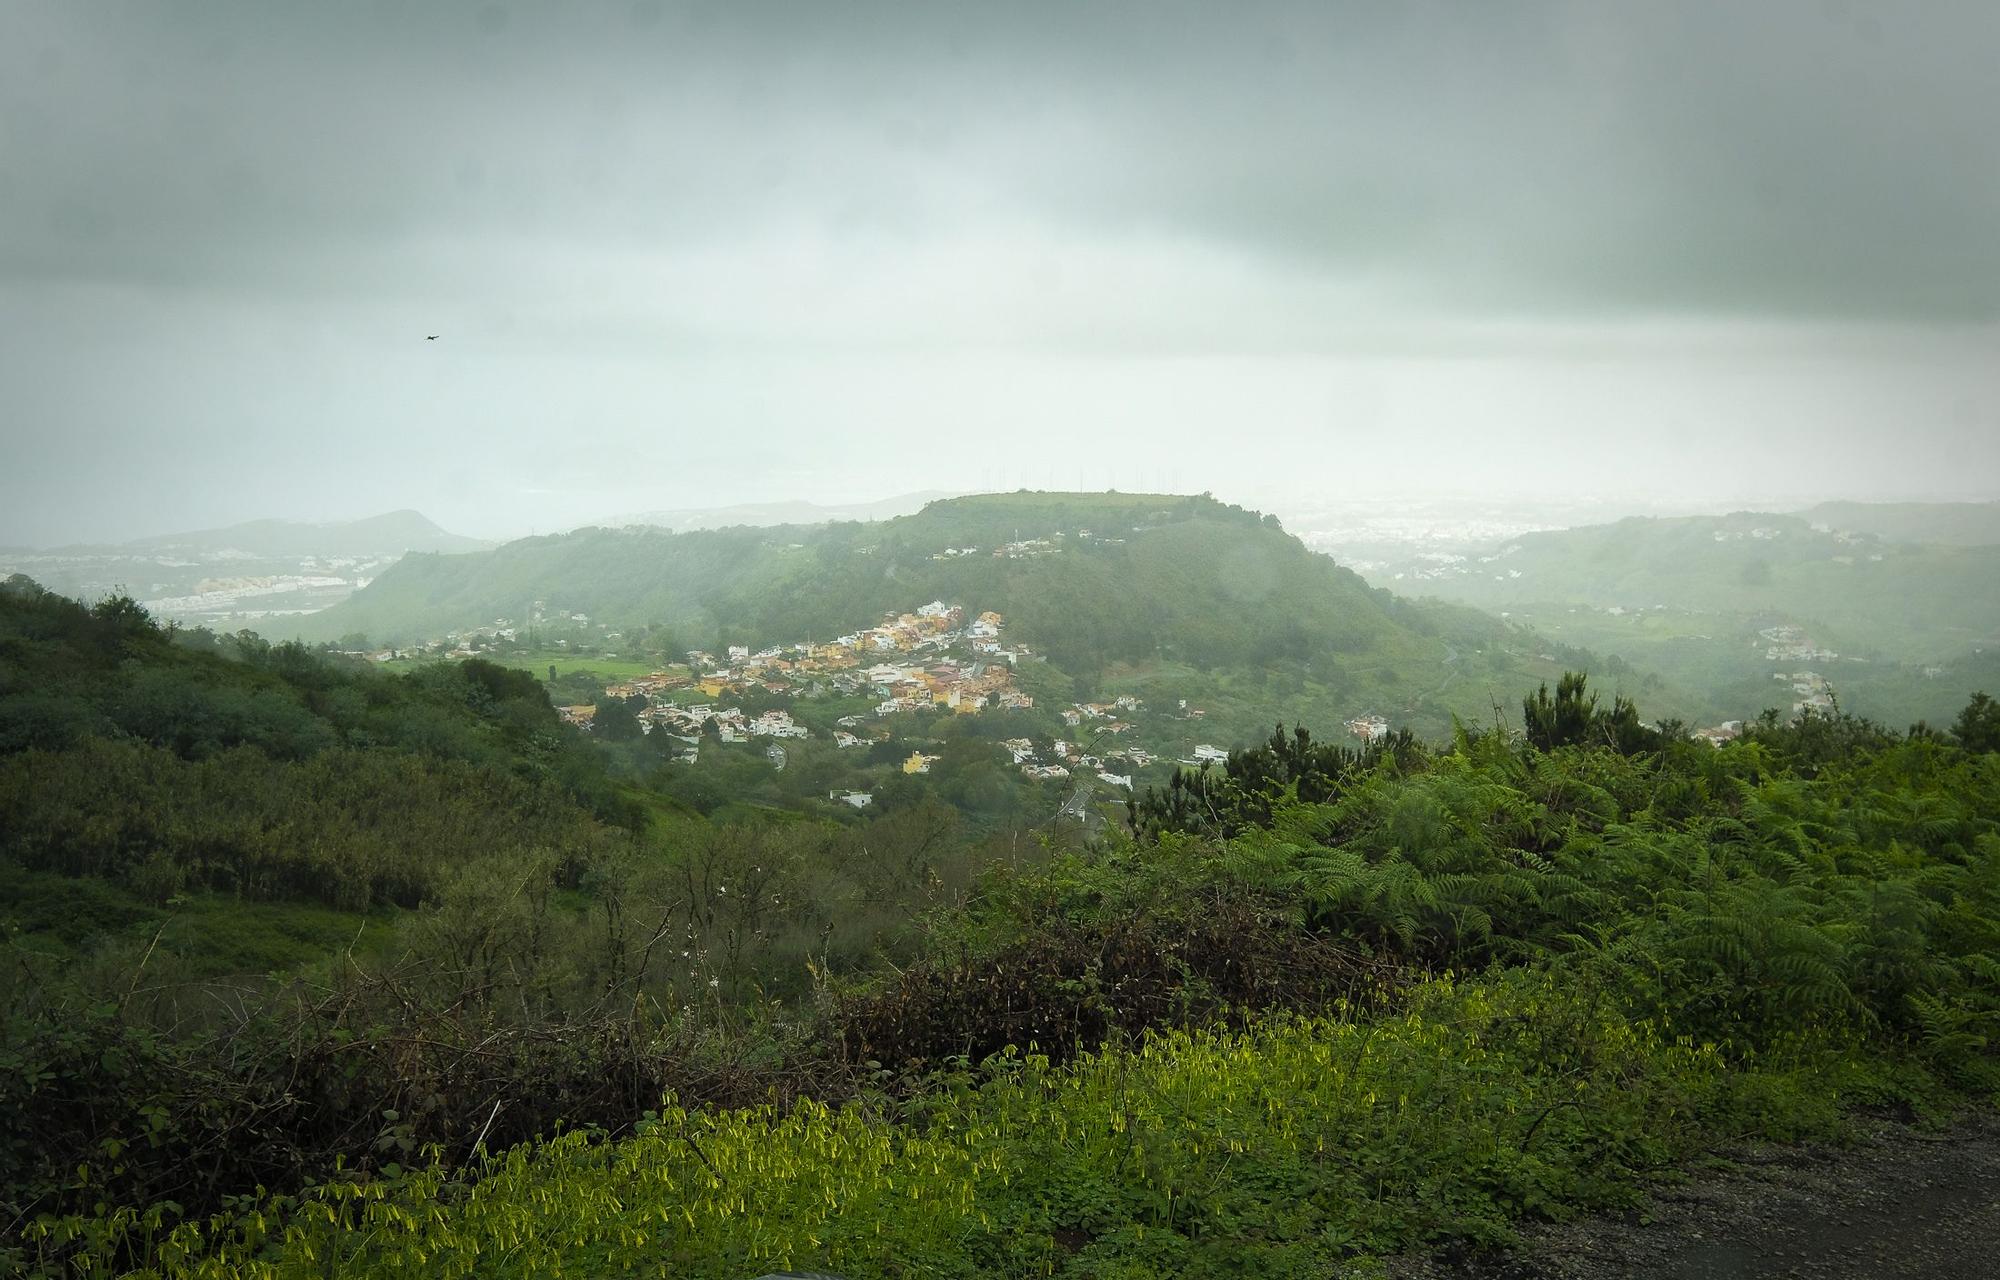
245	576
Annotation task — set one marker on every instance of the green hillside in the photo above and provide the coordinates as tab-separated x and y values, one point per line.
1166	596
1965	524
1900	631
316	969
1390	1005
163	767
1864	593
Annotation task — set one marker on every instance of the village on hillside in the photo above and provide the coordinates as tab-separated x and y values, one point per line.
939	659
934	659
928	659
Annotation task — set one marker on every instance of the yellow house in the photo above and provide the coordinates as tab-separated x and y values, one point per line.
918	763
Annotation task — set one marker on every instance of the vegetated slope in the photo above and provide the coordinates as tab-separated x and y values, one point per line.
1722	605
1866	594
166	764
1093	582
1488	982
763	585
263	914
1963	524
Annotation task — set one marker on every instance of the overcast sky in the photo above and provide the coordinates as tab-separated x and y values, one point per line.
695	254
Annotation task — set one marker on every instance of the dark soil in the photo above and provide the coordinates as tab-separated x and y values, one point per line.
1900	1201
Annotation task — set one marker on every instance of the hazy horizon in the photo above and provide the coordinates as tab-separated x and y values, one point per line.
1557	513
686	256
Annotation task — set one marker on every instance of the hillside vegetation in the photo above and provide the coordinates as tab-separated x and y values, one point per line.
1116	590
1314	1005
1897	630
1966	524
265	916
1874	597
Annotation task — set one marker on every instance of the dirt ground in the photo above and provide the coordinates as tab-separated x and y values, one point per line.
1899	1202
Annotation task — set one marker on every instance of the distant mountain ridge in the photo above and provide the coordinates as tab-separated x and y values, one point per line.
1959	524
241	574
390	533
1755	606
386	534
1868	591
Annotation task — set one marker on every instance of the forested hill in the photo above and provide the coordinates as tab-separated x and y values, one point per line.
1099	584
1088	579
1962	524
1859	592
164	761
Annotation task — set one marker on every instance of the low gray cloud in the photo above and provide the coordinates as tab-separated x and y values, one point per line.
220	224
1774	158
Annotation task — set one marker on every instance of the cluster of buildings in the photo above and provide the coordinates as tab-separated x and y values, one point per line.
1027	548
964	687
1024	548
1369	728
1792	644
901	660
1716	735
688	723
1810	690
1067	759
657	685
1079	713
930	659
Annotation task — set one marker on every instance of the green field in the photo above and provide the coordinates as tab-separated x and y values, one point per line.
538	661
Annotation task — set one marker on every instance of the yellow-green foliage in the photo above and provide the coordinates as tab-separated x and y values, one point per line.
1655	949
1302	1139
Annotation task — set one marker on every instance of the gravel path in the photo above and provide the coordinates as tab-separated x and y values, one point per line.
1900	1202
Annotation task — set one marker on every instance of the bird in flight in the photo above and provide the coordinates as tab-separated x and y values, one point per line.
430	337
